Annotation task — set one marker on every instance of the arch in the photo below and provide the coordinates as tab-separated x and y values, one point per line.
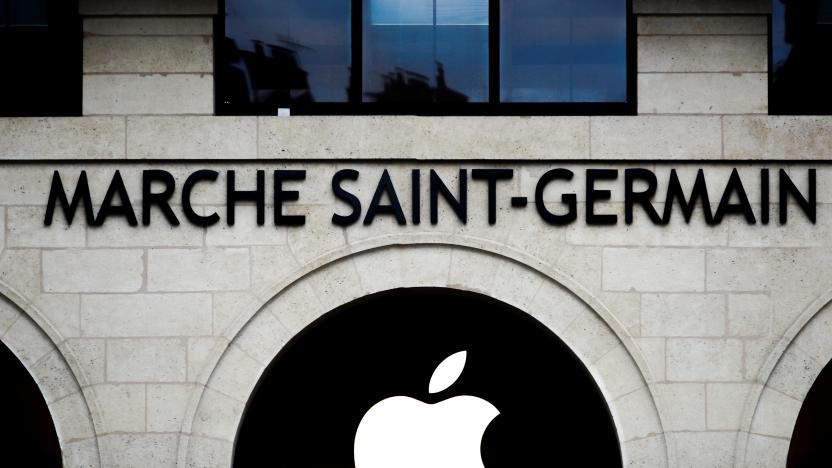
785	379
579	319
45	361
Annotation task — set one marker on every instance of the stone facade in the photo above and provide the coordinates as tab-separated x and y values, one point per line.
147	341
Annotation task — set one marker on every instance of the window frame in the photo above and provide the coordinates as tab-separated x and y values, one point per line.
493	107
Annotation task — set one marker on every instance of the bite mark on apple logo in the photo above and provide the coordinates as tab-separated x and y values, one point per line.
402	432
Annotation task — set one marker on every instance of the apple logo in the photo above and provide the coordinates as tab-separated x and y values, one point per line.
402	432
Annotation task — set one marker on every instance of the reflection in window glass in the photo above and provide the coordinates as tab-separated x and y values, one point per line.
280	53
425	51
563	51
801	70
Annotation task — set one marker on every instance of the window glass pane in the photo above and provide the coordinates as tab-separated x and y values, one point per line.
28	13
280	53
563	51
424	51
801	70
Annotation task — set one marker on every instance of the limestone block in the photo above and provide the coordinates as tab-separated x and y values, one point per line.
426	266
61	311
9	314
203	354
814	338
80	454
136	315
621	376
656	137
795	373
135	450
217	416
117	232
702	93
150	54
263	337
658	269
754	270
232	309
27	342
62	137
653	350
54	377
637	409
380	270
704	449
90	355
19	270
318	236
644	453
775	415
205	452
236	375
297	306
718	53
147	7
626	307
726	403
386	137
590	338
667	315
778	137
166	406
101	270
148	26
146	360
799	232
71	417
749	315
682	406
336	285
26	229
766	452
709	25
148	94
192	137
122	406
702	359
198	269
677	233
756	351
555	307
245	230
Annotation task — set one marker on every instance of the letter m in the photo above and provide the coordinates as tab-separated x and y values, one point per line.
57	194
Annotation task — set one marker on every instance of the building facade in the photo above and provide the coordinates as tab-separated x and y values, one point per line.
147	338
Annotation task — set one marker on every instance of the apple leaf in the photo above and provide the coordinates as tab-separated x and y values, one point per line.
447	372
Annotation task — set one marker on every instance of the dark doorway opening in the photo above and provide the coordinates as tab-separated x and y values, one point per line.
27	436
309	402
811	444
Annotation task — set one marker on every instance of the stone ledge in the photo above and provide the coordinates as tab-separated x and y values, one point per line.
182	137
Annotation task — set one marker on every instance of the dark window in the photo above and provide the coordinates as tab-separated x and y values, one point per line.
810	445
425	57
801	75
310	401
40	52
27	434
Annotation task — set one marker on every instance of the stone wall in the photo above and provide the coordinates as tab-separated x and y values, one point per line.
147	341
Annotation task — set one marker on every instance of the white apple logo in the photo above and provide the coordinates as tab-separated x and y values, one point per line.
401	432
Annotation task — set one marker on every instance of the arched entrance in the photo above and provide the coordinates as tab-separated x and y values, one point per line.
27	435
811	441
317	390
